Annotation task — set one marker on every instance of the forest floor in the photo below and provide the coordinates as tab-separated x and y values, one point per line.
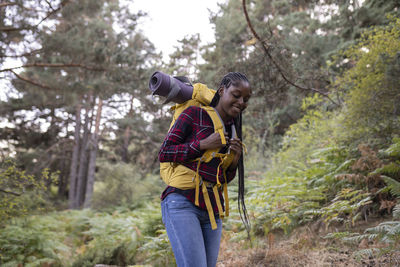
306	246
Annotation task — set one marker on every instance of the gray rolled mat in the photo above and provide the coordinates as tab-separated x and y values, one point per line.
175	89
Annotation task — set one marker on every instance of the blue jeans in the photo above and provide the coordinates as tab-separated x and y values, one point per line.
193	241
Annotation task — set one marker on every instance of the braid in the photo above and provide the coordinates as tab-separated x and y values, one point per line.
235	78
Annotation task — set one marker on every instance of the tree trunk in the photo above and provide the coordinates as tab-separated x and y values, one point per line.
83	157
74	161
62	181
127	135
92	159
125	145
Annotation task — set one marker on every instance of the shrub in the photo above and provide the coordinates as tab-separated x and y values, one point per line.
20	192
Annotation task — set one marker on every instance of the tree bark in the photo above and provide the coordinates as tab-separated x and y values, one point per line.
125	145
127	136
72	204
92	159
82	171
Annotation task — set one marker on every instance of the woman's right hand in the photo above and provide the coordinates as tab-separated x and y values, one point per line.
212	141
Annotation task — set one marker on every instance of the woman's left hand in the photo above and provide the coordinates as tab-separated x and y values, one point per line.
236	146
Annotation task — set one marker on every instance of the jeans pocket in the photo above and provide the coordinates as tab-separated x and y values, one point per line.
176	202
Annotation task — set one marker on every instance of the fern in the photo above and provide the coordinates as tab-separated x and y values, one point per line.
394	149
357	238
157	250
344	207
339	235
392	168
393	185
366	253
396	211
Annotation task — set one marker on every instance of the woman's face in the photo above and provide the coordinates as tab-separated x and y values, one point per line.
233	100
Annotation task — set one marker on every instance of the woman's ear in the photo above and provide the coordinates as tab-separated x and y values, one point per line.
221	90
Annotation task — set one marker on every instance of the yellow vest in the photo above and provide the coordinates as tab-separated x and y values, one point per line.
181	177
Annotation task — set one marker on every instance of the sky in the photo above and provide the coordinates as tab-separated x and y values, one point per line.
171	20
167	21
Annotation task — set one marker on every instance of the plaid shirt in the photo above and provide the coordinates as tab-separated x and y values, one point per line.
182	145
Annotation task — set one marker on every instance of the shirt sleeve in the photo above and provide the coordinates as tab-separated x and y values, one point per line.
174	147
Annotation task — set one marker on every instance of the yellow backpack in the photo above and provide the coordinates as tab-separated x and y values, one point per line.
181	177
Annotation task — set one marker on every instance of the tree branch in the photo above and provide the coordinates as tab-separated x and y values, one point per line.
270	57
10	192
7	4
53	11
31	81
54	65
62	4
24	54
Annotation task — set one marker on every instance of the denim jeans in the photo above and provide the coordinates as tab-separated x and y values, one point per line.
193	241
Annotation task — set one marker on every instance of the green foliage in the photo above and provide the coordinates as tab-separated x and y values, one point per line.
317	173
386	233
295	195
157	249
122	184
393	186
308	178
33	241
86	238
344	208
394	149
109	239
392	168
371	85
21	193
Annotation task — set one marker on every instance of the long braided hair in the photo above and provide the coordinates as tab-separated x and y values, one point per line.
235	78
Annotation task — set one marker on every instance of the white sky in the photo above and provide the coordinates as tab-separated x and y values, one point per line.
171	20
167	21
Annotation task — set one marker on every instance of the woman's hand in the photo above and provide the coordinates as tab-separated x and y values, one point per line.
212	141
236	146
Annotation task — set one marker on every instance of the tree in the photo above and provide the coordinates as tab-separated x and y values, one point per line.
370	87
300	38
82	59
184	60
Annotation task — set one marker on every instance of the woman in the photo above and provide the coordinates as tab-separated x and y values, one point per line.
193	241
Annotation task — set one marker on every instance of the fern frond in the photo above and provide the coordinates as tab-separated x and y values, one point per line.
340	235
392	168
356	239
394	149
366	253
396	211
344	166
393	185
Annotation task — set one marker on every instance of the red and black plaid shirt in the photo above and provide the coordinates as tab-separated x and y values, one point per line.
182	145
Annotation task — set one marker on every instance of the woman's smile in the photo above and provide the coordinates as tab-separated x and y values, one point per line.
236	109
233	100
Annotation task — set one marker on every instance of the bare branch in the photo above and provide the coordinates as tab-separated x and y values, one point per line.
31	81
12	29
271	58
7	4
49	14
62	4
49	4
54	65
24	54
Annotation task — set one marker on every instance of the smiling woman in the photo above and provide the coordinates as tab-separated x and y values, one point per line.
204	161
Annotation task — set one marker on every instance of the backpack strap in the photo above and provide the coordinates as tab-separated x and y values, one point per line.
219	127
173	92
184	79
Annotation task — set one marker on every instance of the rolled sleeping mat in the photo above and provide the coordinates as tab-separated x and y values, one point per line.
177	89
